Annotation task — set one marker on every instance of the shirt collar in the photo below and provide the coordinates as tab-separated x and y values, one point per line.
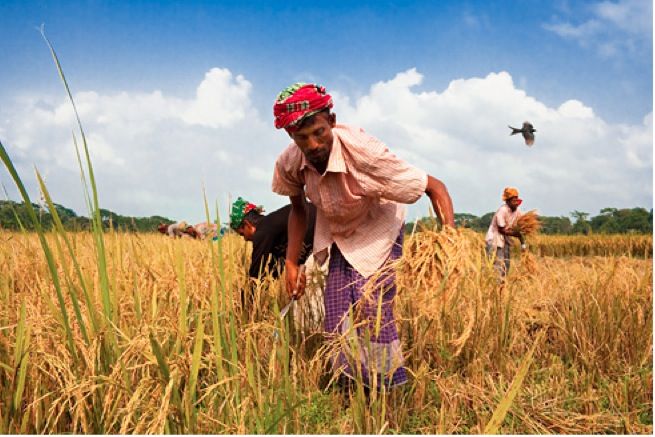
336	163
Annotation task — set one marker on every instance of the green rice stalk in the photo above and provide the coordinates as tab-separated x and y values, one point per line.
24	359
182	328
13	210
20	362
154	307
191	410
166	375
234	364
287	412
97	222
250	374
138	310
87	198
159	356
217	320
60	229
44	245
496	421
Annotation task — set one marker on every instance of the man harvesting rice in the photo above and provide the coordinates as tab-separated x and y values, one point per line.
358	187
268	234
501	228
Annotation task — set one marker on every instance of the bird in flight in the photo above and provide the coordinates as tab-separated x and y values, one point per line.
527	131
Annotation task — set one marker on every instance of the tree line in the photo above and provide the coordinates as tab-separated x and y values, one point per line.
608	221
14	216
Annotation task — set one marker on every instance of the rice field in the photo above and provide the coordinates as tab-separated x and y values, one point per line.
110	332
634	245
564	347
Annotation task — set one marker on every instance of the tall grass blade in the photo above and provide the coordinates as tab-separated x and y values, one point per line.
182	328
496	421
44	245
159	356
85	186
24	359
97	228
13	210
193	375
62	233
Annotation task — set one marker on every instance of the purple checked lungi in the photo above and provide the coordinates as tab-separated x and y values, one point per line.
377	352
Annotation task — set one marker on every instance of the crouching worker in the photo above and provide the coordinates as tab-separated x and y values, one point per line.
500	230
358	187
206	230
179	229
268	234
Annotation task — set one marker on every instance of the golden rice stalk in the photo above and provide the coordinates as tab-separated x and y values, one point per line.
529	263
528	223
437	259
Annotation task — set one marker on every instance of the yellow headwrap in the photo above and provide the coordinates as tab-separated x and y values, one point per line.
510	192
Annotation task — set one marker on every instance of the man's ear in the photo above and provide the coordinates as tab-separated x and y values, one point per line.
333	119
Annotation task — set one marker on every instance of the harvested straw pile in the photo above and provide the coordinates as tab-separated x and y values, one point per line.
529	264
528	223
438	261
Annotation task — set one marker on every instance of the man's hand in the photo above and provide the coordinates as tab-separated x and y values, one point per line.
295	280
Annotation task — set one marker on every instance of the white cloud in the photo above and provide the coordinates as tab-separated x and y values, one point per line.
611	28
575	109
460	135
638	143
582	31
632	16
220	100
152	152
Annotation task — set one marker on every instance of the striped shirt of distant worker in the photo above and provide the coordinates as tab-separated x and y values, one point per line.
358	187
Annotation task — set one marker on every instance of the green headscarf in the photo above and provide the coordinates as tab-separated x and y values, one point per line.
240	208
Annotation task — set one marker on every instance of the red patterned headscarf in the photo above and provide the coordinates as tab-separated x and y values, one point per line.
298	102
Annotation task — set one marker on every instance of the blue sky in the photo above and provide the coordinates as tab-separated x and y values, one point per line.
121	54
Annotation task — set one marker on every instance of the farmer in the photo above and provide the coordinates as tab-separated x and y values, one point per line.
205	229
178	229
358	187
500	230
268	234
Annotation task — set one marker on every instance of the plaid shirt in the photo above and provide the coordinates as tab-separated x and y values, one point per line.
358	199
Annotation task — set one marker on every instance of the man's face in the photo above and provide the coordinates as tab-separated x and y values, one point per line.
315	138
246	230
513	203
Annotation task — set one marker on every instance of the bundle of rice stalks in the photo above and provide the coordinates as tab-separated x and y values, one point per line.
436	262
528	223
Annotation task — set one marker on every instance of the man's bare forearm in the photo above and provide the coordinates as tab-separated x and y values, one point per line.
441	201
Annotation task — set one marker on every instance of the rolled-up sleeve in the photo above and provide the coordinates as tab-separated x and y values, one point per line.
386	175
287	176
